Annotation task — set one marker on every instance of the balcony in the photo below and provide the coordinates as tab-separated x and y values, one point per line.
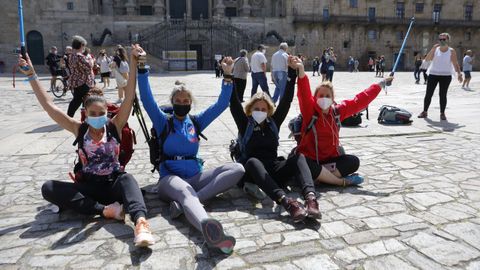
365	20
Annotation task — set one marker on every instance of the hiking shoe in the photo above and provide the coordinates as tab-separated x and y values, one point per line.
254	191
143	235
353	179
423	115
114	211
295	209
176	209
311	204
215	237
443	117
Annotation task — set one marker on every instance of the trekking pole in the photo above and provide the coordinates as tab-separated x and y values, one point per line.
23	51
412	20
138	112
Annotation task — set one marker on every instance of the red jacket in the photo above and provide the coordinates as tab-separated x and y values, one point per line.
327	131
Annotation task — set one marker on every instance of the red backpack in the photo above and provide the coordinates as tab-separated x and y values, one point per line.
126	143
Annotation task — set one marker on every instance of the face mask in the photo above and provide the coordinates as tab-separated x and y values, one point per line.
97	122
264	51
324	103
181	110
259	116
443	43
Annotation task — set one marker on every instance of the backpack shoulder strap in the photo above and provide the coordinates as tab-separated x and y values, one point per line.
274	128
112	131
312	122
82	130
243	139
196	125
336	115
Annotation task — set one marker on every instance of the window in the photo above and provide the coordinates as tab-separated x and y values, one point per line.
400	35
69	5
346	44
371	14
468	12
400	10
468	36
326	14
372	34
353	3
419	7
146	10
437	8
230	12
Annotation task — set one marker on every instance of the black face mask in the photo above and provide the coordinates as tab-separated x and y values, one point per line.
181	110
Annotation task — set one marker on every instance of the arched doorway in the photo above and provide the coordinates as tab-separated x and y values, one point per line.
35	47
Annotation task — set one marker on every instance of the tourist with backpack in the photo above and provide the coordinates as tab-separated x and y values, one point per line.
258	127
320	129
101	186
183	182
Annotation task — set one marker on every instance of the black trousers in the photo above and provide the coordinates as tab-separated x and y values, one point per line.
416	74
425	76
433	80
269	175
239	86
91	195
346	165
78	95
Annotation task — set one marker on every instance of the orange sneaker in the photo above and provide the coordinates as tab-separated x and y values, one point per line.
114	211
143	235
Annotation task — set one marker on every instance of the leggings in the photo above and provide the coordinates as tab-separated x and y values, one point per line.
91	195
432	82
194	191
268	175
78	95
239	85
345	164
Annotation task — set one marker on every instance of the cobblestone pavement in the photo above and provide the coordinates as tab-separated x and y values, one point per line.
418	209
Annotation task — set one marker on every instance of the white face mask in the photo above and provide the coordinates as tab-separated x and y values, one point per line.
324	103
259	116
264	51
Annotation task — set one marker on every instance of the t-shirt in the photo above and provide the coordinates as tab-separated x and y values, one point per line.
280	61
104	64
123	68
258	59
467	63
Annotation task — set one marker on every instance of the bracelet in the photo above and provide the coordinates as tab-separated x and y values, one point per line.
33	77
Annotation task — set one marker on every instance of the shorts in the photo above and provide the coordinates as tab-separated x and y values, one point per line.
105	75
467	74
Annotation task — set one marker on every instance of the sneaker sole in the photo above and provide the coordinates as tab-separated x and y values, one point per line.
215	236
174	212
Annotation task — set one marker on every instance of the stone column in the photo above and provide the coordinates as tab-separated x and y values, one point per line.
107	8
130	5
159	8
189	9
245	9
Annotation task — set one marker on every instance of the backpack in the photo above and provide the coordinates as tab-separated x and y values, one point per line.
354	120
393	115
237	146
156	141
126	143
295	126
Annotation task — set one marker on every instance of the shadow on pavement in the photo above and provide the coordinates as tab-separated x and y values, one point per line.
444	125
45	129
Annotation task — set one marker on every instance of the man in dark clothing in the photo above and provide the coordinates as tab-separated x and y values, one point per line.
53	60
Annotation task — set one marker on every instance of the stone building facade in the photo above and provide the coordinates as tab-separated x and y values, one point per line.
358	28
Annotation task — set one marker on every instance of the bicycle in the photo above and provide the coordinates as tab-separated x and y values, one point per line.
61	85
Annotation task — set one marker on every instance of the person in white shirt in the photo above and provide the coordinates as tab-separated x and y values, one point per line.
444	61
279	68
467	69
104	61
258	65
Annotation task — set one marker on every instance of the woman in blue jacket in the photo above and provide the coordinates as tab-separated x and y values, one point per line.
183	182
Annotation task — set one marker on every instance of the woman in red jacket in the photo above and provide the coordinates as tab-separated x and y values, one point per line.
320	144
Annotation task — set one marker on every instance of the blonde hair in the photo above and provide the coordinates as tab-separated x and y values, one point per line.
259	96
326	84
446	34
180	87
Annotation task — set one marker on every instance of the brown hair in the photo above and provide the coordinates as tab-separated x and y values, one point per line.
258	97
95	94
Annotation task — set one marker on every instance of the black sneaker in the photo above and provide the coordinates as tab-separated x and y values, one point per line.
215	237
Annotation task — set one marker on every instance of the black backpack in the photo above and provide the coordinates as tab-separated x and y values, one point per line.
156	146
354	120
391	115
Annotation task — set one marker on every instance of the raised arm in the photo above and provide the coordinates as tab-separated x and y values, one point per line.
124	112
284	105
211	113
159	119
238	114
304	94
46	101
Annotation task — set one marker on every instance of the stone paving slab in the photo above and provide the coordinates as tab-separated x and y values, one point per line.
418	208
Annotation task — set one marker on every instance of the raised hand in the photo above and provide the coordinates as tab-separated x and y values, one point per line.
137	50
227	65
25	66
